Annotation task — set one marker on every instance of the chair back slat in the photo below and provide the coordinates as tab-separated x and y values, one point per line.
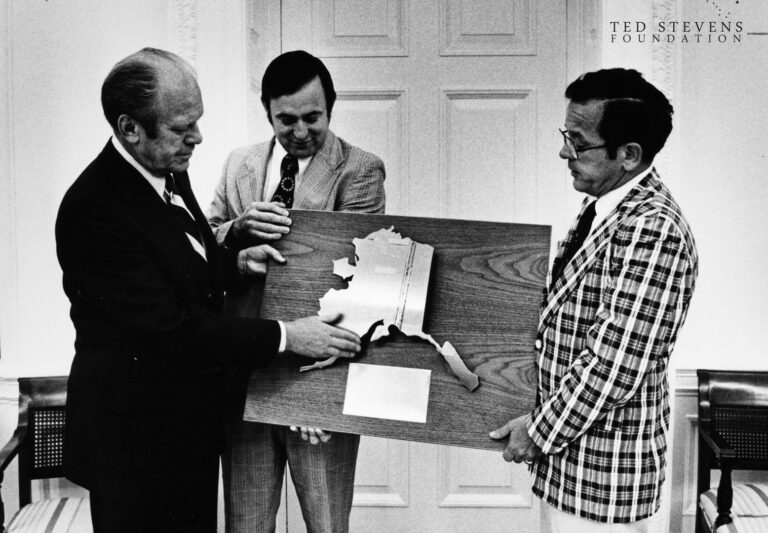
47	429
745	428
42	402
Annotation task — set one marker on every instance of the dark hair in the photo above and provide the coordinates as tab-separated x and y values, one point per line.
291	71
131	87
633	110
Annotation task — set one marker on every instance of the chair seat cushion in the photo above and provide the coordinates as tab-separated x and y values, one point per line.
749	510
56	515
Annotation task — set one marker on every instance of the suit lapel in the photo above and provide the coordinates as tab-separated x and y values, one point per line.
249	189
316	182
136	198
209	240
593	248
318	179
185	190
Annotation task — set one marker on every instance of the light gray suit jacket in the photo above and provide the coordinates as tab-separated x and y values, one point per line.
340	177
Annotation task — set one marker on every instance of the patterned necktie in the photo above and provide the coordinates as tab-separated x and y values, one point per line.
580	235
288	170
180	213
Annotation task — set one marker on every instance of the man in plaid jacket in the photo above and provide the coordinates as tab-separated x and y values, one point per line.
615	300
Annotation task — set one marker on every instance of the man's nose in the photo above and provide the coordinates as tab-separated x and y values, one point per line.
194	137
300	130
565	153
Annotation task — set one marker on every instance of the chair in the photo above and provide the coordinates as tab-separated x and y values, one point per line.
38	442
733	435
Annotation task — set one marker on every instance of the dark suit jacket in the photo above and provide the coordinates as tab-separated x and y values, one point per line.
144	392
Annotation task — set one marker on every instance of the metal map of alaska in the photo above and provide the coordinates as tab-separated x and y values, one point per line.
388	288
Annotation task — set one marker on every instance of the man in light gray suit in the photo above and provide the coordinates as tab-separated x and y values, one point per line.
303	166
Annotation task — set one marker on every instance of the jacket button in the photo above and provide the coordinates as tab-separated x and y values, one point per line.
537	344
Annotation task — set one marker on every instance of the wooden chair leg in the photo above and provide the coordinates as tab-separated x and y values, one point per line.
2	507
724	498
705	461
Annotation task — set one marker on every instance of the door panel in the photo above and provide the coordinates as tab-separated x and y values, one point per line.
462	100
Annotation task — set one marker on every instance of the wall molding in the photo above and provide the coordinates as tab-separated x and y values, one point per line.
665	72
583	19
182	29
518	41
9	303
682	454
264	29
396	196
685	383
456	492
392	490
9	391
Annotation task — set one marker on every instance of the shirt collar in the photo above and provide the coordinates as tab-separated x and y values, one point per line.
608	202
157	183
278	153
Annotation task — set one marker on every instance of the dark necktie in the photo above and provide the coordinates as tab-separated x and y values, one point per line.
179	211
580	235
288	170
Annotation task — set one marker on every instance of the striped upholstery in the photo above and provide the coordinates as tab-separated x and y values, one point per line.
749	511
57	515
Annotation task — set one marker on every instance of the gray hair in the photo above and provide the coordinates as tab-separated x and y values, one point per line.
132	86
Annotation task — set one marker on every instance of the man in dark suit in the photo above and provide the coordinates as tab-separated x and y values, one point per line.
617	296
145	279
303	166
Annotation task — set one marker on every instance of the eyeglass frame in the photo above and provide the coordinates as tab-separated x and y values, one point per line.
572	147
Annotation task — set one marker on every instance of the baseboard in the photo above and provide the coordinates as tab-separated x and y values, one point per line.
9	391
685	382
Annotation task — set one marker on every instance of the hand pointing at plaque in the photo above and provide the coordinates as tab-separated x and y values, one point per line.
316	337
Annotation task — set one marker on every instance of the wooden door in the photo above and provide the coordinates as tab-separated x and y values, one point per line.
462	100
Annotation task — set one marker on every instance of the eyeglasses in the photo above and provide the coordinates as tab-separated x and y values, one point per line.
573	152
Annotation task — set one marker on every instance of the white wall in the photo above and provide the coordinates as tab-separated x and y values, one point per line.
724	139
55	56
58	55
715	163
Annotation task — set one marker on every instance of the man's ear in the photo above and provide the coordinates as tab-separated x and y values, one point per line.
129	129
633	156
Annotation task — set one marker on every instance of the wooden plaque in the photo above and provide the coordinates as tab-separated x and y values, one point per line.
485	290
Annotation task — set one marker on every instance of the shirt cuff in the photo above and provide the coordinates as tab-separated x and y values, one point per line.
281	347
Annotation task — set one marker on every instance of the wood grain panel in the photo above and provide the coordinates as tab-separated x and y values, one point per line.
484	297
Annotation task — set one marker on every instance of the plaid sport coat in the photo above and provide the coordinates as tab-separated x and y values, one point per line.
607	329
